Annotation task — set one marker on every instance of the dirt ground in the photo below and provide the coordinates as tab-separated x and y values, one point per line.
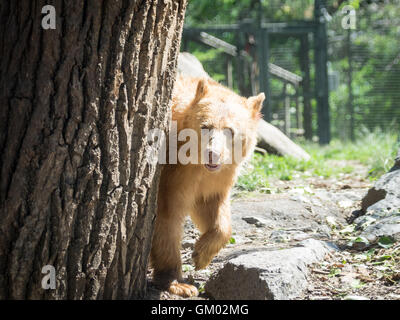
302	208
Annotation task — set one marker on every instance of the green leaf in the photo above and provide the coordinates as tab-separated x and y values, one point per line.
187	267
361	239
202	288
386	242
334	271
232	240
385	257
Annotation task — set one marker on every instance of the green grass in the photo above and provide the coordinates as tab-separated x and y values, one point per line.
376	150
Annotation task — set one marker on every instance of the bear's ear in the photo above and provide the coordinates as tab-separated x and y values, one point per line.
201	90
255	103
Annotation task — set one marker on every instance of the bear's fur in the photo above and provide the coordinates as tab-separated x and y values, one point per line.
199	189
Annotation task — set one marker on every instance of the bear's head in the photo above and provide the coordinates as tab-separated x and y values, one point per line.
225	123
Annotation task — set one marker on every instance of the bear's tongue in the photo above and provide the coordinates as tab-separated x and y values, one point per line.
212	167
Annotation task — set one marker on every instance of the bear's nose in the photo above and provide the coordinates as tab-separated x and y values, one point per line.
213	157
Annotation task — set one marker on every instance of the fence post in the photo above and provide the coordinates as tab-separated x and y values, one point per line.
350	105
321	74
263	60
229	73
286	101
299	126
305	68
239	62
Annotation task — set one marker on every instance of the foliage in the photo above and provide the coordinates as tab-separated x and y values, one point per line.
376	68
206	12
374	46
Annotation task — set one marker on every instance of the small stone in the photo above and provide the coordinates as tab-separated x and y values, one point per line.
188	243
324	231
360	246
345	203
258	222
355	298
279	236
354	215
389	227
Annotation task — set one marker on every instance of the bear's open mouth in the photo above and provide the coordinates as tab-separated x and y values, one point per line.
212	167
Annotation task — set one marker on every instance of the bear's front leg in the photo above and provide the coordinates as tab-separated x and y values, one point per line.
165	254
213	217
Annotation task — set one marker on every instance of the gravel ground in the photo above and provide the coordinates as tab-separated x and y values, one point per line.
296	210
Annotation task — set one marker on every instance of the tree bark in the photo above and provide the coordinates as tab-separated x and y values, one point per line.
76	103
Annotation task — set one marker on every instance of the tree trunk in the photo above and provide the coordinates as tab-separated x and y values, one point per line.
76	103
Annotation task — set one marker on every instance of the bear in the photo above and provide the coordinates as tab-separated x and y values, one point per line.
202	189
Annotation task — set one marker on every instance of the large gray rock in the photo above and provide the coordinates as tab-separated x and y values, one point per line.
389	226
267	275
385	194
270	138
280	212
381	206
189	65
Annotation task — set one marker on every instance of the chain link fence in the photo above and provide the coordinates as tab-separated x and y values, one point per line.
364	69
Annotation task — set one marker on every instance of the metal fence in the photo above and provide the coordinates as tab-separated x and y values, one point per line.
363	66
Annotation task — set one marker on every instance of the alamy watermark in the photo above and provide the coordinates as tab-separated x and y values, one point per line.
349	20
49	20
49	280
189	146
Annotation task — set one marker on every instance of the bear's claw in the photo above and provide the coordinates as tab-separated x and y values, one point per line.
183	289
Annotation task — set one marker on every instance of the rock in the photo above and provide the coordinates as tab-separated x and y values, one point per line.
188	243
275	141
355	298
279	236
258	222
331	221
385	194
189	65
360	245
345	203
354	215
343	198
287	235
280	212
381	206
389	226
363	222
320	298
266	275
270	138
390	202
323	232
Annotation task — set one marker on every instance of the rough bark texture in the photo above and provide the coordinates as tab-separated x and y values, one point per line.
75	106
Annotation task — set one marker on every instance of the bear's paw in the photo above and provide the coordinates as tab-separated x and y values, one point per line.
183	289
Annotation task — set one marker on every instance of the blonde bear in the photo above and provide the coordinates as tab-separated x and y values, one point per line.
225	124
